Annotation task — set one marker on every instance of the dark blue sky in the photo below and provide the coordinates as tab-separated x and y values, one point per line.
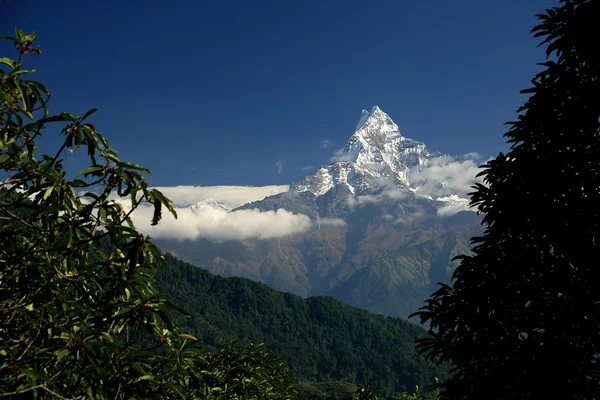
216	92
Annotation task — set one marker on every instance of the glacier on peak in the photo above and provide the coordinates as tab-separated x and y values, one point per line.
374	156
212	203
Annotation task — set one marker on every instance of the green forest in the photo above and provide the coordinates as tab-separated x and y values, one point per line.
320	338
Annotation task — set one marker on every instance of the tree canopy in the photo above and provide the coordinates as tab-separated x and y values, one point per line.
79	319
319	338
522	318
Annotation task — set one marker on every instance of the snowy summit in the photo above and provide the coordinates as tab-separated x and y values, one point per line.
212	203
375	156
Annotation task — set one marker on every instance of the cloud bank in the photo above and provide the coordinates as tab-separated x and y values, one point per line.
444	177
233	196
219	225
452	205
216	224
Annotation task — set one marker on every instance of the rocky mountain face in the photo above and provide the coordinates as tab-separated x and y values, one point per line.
376	155
380	241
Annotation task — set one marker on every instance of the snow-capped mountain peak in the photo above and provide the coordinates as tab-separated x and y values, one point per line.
376	121
212	203
374	154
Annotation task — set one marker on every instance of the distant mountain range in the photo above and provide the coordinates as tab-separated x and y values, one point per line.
388	222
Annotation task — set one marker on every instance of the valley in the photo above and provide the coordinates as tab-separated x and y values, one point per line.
384	228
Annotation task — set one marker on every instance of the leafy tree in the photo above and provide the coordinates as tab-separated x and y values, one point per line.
522	319
79	313
420	394
329	390
367	393
237	372
320	339
72	326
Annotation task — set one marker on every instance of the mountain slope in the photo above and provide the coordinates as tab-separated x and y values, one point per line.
385	229
375	153
319	338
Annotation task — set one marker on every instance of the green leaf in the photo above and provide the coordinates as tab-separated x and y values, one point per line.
19	33
133	166
48	192
143	378
29	307
25	111
186	336
87	114
22	72
157	215
30	37
90	170
21	94
112	156
62	354
8	61
123	310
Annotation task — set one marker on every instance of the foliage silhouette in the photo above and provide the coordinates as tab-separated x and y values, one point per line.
522	319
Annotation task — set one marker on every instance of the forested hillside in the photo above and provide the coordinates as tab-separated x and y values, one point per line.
319	338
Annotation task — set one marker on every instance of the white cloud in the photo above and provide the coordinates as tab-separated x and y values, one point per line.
278	166
368	198
394	192
233	196
215	224
473	155
390	192
331	221
325	143
445	177
307	168
410	218
341	155
453	205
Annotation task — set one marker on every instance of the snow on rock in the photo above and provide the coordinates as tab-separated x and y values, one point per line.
212	203
376	152
376	157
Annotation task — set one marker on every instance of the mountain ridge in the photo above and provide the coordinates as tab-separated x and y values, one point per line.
376	153
319	338
379	242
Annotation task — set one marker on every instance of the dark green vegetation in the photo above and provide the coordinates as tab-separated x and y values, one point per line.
522	320
319	338
82	320
370	263
80	315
